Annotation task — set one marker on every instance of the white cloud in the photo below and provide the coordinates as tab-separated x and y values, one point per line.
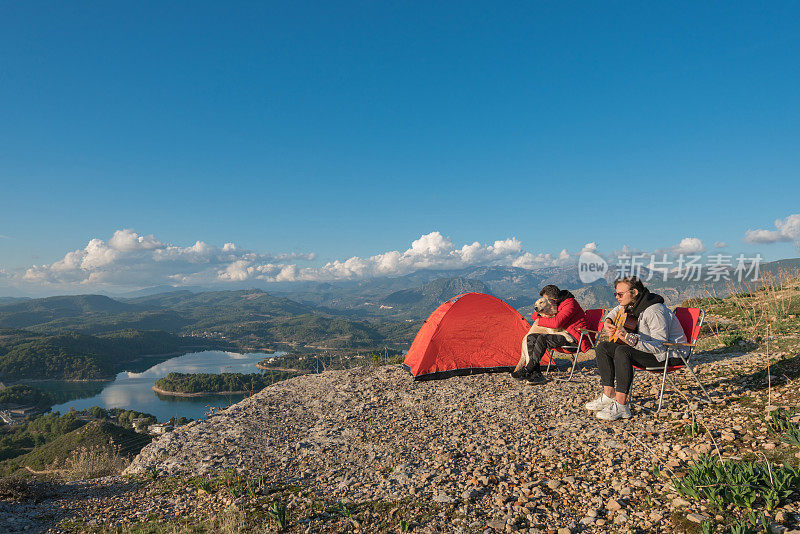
430	244
531	261
787	229
720	244
764	236
128	240
508	246
430	251
687	245
128	259
238	271
690	245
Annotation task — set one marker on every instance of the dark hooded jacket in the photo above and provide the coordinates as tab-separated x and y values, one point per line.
645	300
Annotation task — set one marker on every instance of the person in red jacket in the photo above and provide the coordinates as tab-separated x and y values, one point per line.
570	317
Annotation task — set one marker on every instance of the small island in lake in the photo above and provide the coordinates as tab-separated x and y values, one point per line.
202	384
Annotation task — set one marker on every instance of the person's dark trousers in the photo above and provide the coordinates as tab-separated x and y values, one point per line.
615	362
538	345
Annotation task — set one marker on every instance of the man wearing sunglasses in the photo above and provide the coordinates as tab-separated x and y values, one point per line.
643	345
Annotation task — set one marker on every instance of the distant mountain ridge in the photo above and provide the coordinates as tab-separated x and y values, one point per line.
402	297
420	300
23	314
336	314
241	319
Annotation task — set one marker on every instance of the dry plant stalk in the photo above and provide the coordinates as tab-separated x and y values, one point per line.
769	373
759	302
714	327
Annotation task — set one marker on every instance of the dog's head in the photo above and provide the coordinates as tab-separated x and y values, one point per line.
546	307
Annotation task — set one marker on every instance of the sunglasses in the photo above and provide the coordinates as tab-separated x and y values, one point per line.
619	294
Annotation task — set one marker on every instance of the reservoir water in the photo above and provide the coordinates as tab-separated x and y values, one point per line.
132	390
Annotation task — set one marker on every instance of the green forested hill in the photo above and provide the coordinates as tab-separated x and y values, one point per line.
91	336
173	312
424	299
247	318
88	314
37	311
214	307
26	395
24	355
193	383
93	437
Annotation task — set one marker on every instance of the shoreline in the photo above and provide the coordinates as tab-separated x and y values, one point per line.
287	369
198	394
166	355
75	380
180	353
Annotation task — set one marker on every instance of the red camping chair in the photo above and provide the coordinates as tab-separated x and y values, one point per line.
679	354
594	319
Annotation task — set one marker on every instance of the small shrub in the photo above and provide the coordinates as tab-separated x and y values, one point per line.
781	425
738	483
278	513
732	340
343	509
93	462
202	483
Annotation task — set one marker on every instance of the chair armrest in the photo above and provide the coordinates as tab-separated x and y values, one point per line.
582	330
678	344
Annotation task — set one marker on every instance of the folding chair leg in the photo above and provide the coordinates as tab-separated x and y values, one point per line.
663	381
574	365
702	388
549	361
574	357
675	387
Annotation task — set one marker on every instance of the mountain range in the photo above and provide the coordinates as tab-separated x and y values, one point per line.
367	313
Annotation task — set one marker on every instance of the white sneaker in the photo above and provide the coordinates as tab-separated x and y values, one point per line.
614	411
599	403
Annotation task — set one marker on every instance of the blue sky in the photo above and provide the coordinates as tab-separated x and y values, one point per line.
353	129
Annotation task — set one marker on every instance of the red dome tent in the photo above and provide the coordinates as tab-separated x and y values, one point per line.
470	333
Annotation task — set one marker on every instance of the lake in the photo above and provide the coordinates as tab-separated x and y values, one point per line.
132	391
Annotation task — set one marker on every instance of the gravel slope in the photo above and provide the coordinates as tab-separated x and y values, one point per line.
473	452
498	447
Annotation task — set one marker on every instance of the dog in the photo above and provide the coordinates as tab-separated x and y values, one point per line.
546	308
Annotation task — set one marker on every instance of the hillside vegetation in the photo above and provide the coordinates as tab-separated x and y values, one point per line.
74	356
92	337
754	314
220	383
26	396
96	448
45	439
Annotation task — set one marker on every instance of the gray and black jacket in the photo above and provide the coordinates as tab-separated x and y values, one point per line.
657	324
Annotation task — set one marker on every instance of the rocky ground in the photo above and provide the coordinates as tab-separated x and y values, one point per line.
369	449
